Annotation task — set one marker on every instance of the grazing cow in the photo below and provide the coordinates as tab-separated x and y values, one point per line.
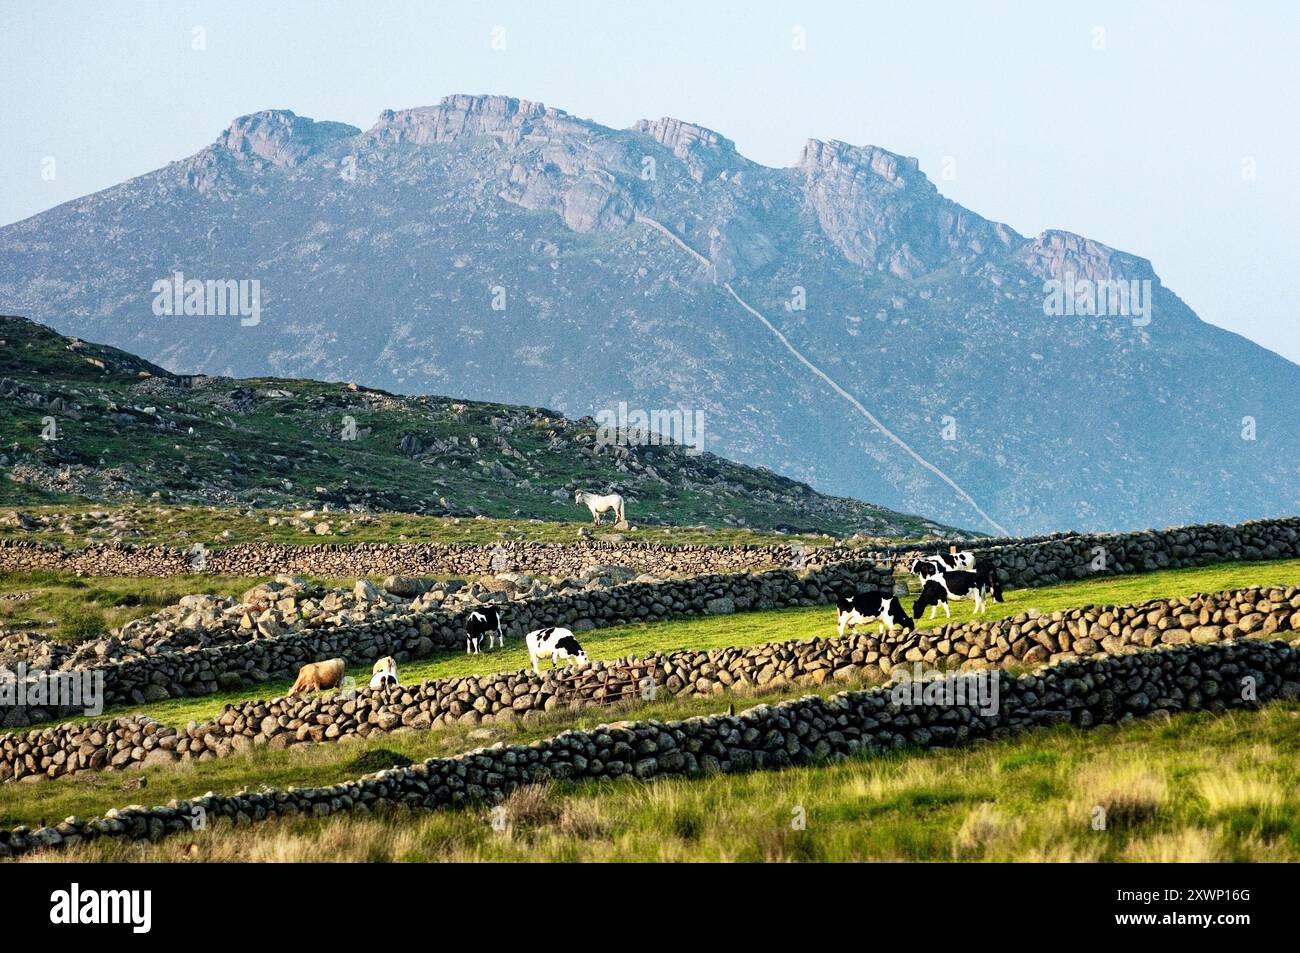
866	607
384	673
601	504
986	574
318	676
954	584
555	644
483	621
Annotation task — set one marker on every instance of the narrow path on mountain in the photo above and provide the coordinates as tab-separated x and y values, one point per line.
826	378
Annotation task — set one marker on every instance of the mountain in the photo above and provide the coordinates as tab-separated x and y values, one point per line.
126	429
839	320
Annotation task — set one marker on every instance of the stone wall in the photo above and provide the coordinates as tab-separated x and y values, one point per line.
409	559
1034	561
199	670
1053	559
1024	639
1081	692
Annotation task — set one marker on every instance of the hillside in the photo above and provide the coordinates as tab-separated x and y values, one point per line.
128	430
506	251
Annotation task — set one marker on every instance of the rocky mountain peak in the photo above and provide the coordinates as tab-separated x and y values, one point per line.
280	136
702	150
624	286
840	158
503	117
881	211
684	138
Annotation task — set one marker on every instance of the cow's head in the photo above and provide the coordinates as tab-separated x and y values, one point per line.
931	595
902	618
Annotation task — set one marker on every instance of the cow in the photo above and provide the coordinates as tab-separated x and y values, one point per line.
384	673
318	676
986	574
946	561
954	584
555	644
923	567
480	622
882	607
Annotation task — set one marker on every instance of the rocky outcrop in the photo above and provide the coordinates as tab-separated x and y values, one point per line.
881	211
280	137
557	168
1083	693
704	152
1059	255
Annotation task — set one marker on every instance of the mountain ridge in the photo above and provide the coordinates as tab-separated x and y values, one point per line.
378	250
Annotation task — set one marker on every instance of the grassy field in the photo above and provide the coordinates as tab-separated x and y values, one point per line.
751	628
1191	788
309	765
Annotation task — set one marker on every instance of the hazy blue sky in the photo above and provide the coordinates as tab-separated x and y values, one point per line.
1140	144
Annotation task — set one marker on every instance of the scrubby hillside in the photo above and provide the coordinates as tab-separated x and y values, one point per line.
122	429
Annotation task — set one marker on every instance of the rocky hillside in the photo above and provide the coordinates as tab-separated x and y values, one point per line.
125	429
838	320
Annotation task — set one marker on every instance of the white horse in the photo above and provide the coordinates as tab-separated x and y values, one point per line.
601	504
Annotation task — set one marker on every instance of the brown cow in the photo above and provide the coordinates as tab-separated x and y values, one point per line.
318	676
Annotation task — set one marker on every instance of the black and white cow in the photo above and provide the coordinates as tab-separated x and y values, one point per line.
986	574
947	561
555	644
480	622
923	567
865	607
942	587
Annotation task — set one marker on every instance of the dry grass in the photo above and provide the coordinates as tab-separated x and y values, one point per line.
1191	788
1125	794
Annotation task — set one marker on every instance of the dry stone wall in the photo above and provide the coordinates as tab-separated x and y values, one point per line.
1081	692
1025	562
203	670
410	559
1025	639
1047	560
